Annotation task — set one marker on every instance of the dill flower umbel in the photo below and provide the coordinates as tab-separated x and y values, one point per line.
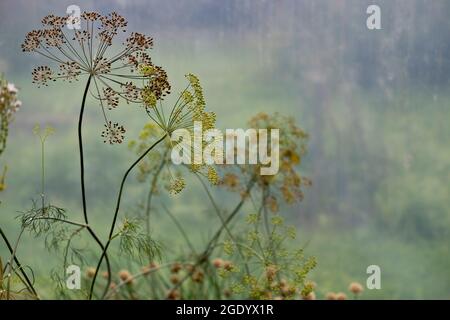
356	288
189	108
90	272
287	185
310	296
217	263
125	276
341	296
126	74
331	296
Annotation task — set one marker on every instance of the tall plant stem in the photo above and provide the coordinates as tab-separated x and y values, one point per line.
42	173
80	145
30	286
148	205
83	189
116	212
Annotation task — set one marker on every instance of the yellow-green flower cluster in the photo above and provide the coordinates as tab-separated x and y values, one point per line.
147	70
196	102
177	185
148	97
276	272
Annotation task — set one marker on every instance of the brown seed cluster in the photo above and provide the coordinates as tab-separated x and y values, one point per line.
113	133
89	52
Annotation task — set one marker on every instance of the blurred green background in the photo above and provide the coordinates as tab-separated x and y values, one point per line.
375	103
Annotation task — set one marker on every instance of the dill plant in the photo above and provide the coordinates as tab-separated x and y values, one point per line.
113	74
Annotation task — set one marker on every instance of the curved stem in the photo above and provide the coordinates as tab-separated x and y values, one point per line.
116	212
83	189
16	260
80	144
152	191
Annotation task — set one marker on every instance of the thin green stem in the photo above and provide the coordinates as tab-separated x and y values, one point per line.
83	190
116	212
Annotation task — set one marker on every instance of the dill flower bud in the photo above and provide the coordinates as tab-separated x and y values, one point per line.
189	267
355	288
310	296
177	186
331	296
176	267
271	272
213	177
283	283
227	293
174	279
218	263
289	291
90	272
173	295
198	276
228	265
105	274
341	296
125	276
148	97
147	269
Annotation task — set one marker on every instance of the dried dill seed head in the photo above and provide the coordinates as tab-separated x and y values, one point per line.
113	133
189	267
331	296
174	279
176	267
173	295
227	293
124	74
287	185
355	288
149	268
310	296
228	265
90	272
198	276
341	296
283	283
289	291
125	276
271	271
218	263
